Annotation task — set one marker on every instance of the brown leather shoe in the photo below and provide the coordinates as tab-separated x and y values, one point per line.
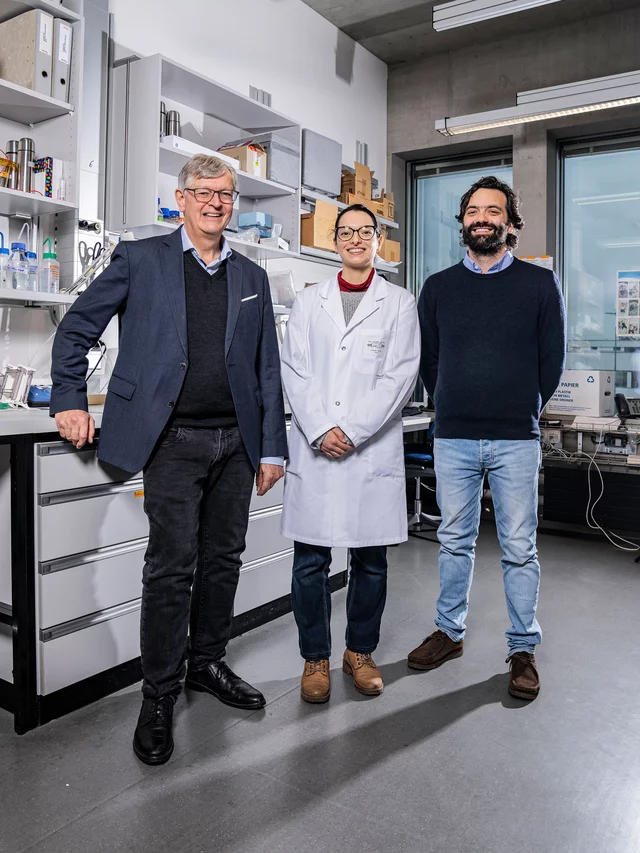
315	686
366	675
524	682
435	650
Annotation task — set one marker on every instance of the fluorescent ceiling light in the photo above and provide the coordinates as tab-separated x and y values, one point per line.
607	199
586	96
631	245
460	13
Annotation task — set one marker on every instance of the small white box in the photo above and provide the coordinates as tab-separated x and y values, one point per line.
584	392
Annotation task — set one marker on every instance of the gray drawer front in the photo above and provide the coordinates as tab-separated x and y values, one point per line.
101	579
263	536
263	581
77	524
80	654
60	466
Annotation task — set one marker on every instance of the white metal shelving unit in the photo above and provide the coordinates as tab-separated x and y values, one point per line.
310	253
30	298
145	168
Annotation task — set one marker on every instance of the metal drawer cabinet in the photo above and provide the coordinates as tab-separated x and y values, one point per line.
74	586
263	535
72	522
75	650
264	580
60	467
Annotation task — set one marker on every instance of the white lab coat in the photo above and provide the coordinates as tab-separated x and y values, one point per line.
357	377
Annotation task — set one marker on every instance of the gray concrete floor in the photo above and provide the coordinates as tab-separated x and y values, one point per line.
442	761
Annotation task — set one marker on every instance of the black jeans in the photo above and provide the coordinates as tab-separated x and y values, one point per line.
197	488
311	598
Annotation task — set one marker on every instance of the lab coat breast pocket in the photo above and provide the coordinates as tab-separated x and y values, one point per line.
371	350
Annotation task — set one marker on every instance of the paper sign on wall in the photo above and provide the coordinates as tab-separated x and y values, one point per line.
628	304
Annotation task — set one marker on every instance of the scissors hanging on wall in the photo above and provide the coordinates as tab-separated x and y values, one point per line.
87	255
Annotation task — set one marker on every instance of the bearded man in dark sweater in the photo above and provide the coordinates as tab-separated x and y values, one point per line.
493	348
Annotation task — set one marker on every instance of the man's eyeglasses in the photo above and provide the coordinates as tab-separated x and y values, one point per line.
204	196
365	232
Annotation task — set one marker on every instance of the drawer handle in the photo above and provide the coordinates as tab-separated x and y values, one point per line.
88	621
69	495
86	557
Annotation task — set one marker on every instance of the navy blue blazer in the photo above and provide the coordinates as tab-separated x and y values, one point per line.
144	286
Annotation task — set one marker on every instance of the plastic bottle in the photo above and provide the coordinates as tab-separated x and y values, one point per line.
18	269
4	264
32	260
175	217
49	274
160	214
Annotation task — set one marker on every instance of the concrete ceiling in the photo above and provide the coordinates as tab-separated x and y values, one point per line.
400	31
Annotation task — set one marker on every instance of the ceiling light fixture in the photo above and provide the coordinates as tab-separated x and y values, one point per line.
586	96
461	13
607	199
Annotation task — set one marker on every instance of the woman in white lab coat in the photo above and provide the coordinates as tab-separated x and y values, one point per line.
349	364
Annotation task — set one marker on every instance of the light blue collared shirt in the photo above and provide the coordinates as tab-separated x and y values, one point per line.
505	261
214	266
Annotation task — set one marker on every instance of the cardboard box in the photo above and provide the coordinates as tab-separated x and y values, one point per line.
388	205
390	251
584	392
252	158
358	184
316	229
373	204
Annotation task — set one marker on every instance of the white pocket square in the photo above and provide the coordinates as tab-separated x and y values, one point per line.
247	298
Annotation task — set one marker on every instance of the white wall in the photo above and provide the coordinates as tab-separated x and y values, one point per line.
316	75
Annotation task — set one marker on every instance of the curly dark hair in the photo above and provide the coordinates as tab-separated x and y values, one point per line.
362	209
513	205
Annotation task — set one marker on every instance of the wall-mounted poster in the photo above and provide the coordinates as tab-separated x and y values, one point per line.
628	304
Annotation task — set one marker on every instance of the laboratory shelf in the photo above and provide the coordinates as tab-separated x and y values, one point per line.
28	107
312	195
31	298
334	258
17	203
174	153
13	8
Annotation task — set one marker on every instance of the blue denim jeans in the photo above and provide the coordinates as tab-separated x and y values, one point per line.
512	468
311	598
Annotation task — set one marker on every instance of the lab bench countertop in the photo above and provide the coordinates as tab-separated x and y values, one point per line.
34	421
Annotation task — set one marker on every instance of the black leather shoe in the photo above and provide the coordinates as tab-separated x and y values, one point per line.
153	741
217	679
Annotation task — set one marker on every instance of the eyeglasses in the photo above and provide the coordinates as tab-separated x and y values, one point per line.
365	232
204	196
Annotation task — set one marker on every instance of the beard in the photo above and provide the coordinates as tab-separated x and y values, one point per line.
485	244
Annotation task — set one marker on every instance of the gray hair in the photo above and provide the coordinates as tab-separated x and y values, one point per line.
204	166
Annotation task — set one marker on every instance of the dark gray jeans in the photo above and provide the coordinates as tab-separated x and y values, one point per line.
197	489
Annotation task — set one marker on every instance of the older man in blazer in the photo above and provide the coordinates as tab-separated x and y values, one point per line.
195	400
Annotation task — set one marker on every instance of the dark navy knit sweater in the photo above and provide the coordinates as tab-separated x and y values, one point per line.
493	349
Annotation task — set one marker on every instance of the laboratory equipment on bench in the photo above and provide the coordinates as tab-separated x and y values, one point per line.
15	385
39	397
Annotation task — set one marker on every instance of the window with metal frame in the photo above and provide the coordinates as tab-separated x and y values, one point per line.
435	191
599	246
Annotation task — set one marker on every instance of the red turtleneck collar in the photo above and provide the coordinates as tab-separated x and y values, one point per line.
345	287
